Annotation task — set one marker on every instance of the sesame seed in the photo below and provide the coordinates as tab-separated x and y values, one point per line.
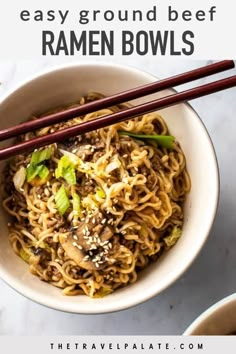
48	183
39	196
74	244
46	192
21	189
80	247
75	237
97	265
125	155
103	221
74	151
9	224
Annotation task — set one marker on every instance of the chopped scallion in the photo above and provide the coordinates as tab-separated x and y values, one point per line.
173	237
166	141
36	168
43	172
40	156
65	169
33	171
62	201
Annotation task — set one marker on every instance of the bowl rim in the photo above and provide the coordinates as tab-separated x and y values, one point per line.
205	315
133	301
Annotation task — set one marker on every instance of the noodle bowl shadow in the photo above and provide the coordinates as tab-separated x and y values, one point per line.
65	85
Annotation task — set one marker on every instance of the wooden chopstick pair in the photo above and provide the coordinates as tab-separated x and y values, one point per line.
120	116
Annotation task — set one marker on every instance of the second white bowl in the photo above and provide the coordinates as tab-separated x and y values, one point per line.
219	319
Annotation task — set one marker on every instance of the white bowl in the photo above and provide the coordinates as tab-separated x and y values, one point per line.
219	319
66	84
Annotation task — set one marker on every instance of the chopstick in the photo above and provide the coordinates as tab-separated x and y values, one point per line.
116	99
118	117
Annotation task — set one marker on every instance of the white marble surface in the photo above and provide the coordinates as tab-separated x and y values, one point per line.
210	278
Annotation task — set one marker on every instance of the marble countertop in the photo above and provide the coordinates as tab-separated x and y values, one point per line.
208	280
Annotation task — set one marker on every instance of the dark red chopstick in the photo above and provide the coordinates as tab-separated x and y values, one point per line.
118	117
116	99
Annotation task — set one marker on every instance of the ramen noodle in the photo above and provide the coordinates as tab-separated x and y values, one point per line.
90	213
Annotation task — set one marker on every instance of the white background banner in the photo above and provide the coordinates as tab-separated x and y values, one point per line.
156	28
118	344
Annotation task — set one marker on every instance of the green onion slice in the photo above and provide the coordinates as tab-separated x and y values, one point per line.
40	156
166	141
43	172
36	168
66	170
173	237
32	171
62	201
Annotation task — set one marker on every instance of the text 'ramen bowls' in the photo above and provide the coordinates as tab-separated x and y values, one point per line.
219	319
107	220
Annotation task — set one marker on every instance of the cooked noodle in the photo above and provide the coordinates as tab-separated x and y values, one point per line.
131	192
